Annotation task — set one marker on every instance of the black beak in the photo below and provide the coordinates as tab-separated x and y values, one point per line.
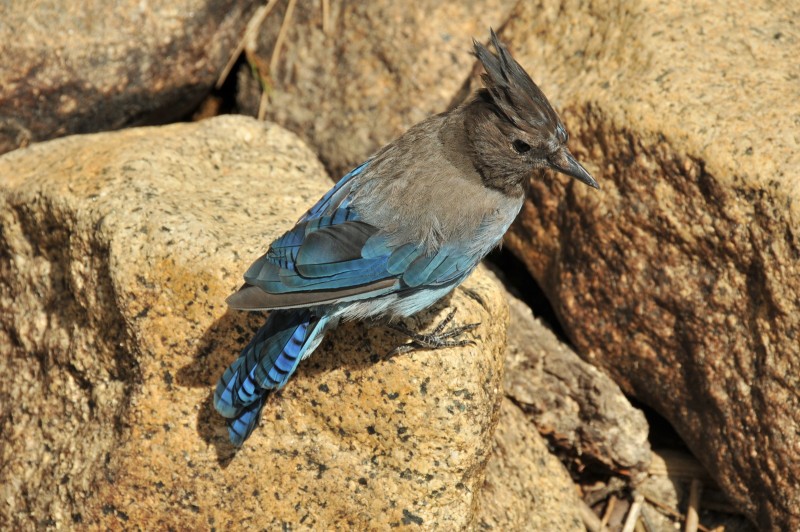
565	163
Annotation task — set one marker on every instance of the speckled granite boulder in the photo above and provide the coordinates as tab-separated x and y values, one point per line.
80	67
681	276
116	253
386	66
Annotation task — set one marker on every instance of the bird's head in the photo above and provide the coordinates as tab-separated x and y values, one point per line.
512	127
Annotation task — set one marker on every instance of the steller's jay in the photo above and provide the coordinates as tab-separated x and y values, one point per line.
399	232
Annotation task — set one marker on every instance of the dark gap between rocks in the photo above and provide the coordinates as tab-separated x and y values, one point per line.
662	434
220	101
519	282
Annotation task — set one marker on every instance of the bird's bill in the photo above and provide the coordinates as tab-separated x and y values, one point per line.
565	163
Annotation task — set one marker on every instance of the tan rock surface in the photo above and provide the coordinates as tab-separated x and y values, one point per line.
526	487
682	275
116	253
80	67
384	67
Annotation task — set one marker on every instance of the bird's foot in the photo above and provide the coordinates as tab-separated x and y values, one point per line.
438	338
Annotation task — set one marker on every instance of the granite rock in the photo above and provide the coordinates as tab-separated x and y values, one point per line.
681	276
117	251
81	67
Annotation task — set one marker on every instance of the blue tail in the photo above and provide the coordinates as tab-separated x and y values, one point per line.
265	364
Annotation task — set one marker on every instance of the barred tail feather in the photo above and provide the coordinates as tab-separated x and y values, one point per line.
240	427
265	364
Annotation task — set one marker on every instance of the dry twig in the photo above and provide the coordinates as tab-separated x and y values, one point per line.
692	513
665	508
633	514
326	17
612	502
248	37
276	53
590	519
676	464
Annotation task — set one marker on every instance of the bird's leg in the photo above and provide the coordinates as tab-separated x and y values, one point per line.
438	338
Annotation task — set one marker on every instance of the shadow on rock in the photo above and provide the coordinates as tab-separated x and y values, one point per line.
352	346
217	348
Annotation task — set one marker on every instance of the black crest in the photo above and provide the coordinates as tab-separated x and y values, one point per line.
513	92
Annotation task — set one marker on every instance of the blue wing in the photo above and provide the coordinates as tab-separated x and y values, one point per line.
333	255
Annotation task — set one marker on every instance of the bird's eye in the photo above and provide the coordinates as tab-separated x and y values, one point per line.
520	146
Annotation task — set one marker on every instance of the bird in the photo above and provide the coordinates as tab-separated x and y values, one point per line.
398	232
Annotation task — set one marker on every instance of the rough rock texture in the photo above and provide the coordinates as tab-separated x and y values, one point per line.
80	67
526	487
576	405
682	275
385	67
116	253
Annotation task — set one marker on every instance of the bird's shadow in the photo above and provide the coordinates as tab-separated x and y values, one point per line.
226	337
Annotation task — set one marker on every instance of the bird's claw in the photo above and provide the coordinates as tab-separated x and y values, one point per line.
438	338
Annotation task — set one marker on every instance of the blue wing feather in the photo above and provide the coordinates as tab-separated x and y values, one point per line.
402	257
420	270
376	246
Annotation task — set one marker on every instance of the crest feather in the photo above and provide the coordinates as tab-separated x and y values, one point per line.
512	90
